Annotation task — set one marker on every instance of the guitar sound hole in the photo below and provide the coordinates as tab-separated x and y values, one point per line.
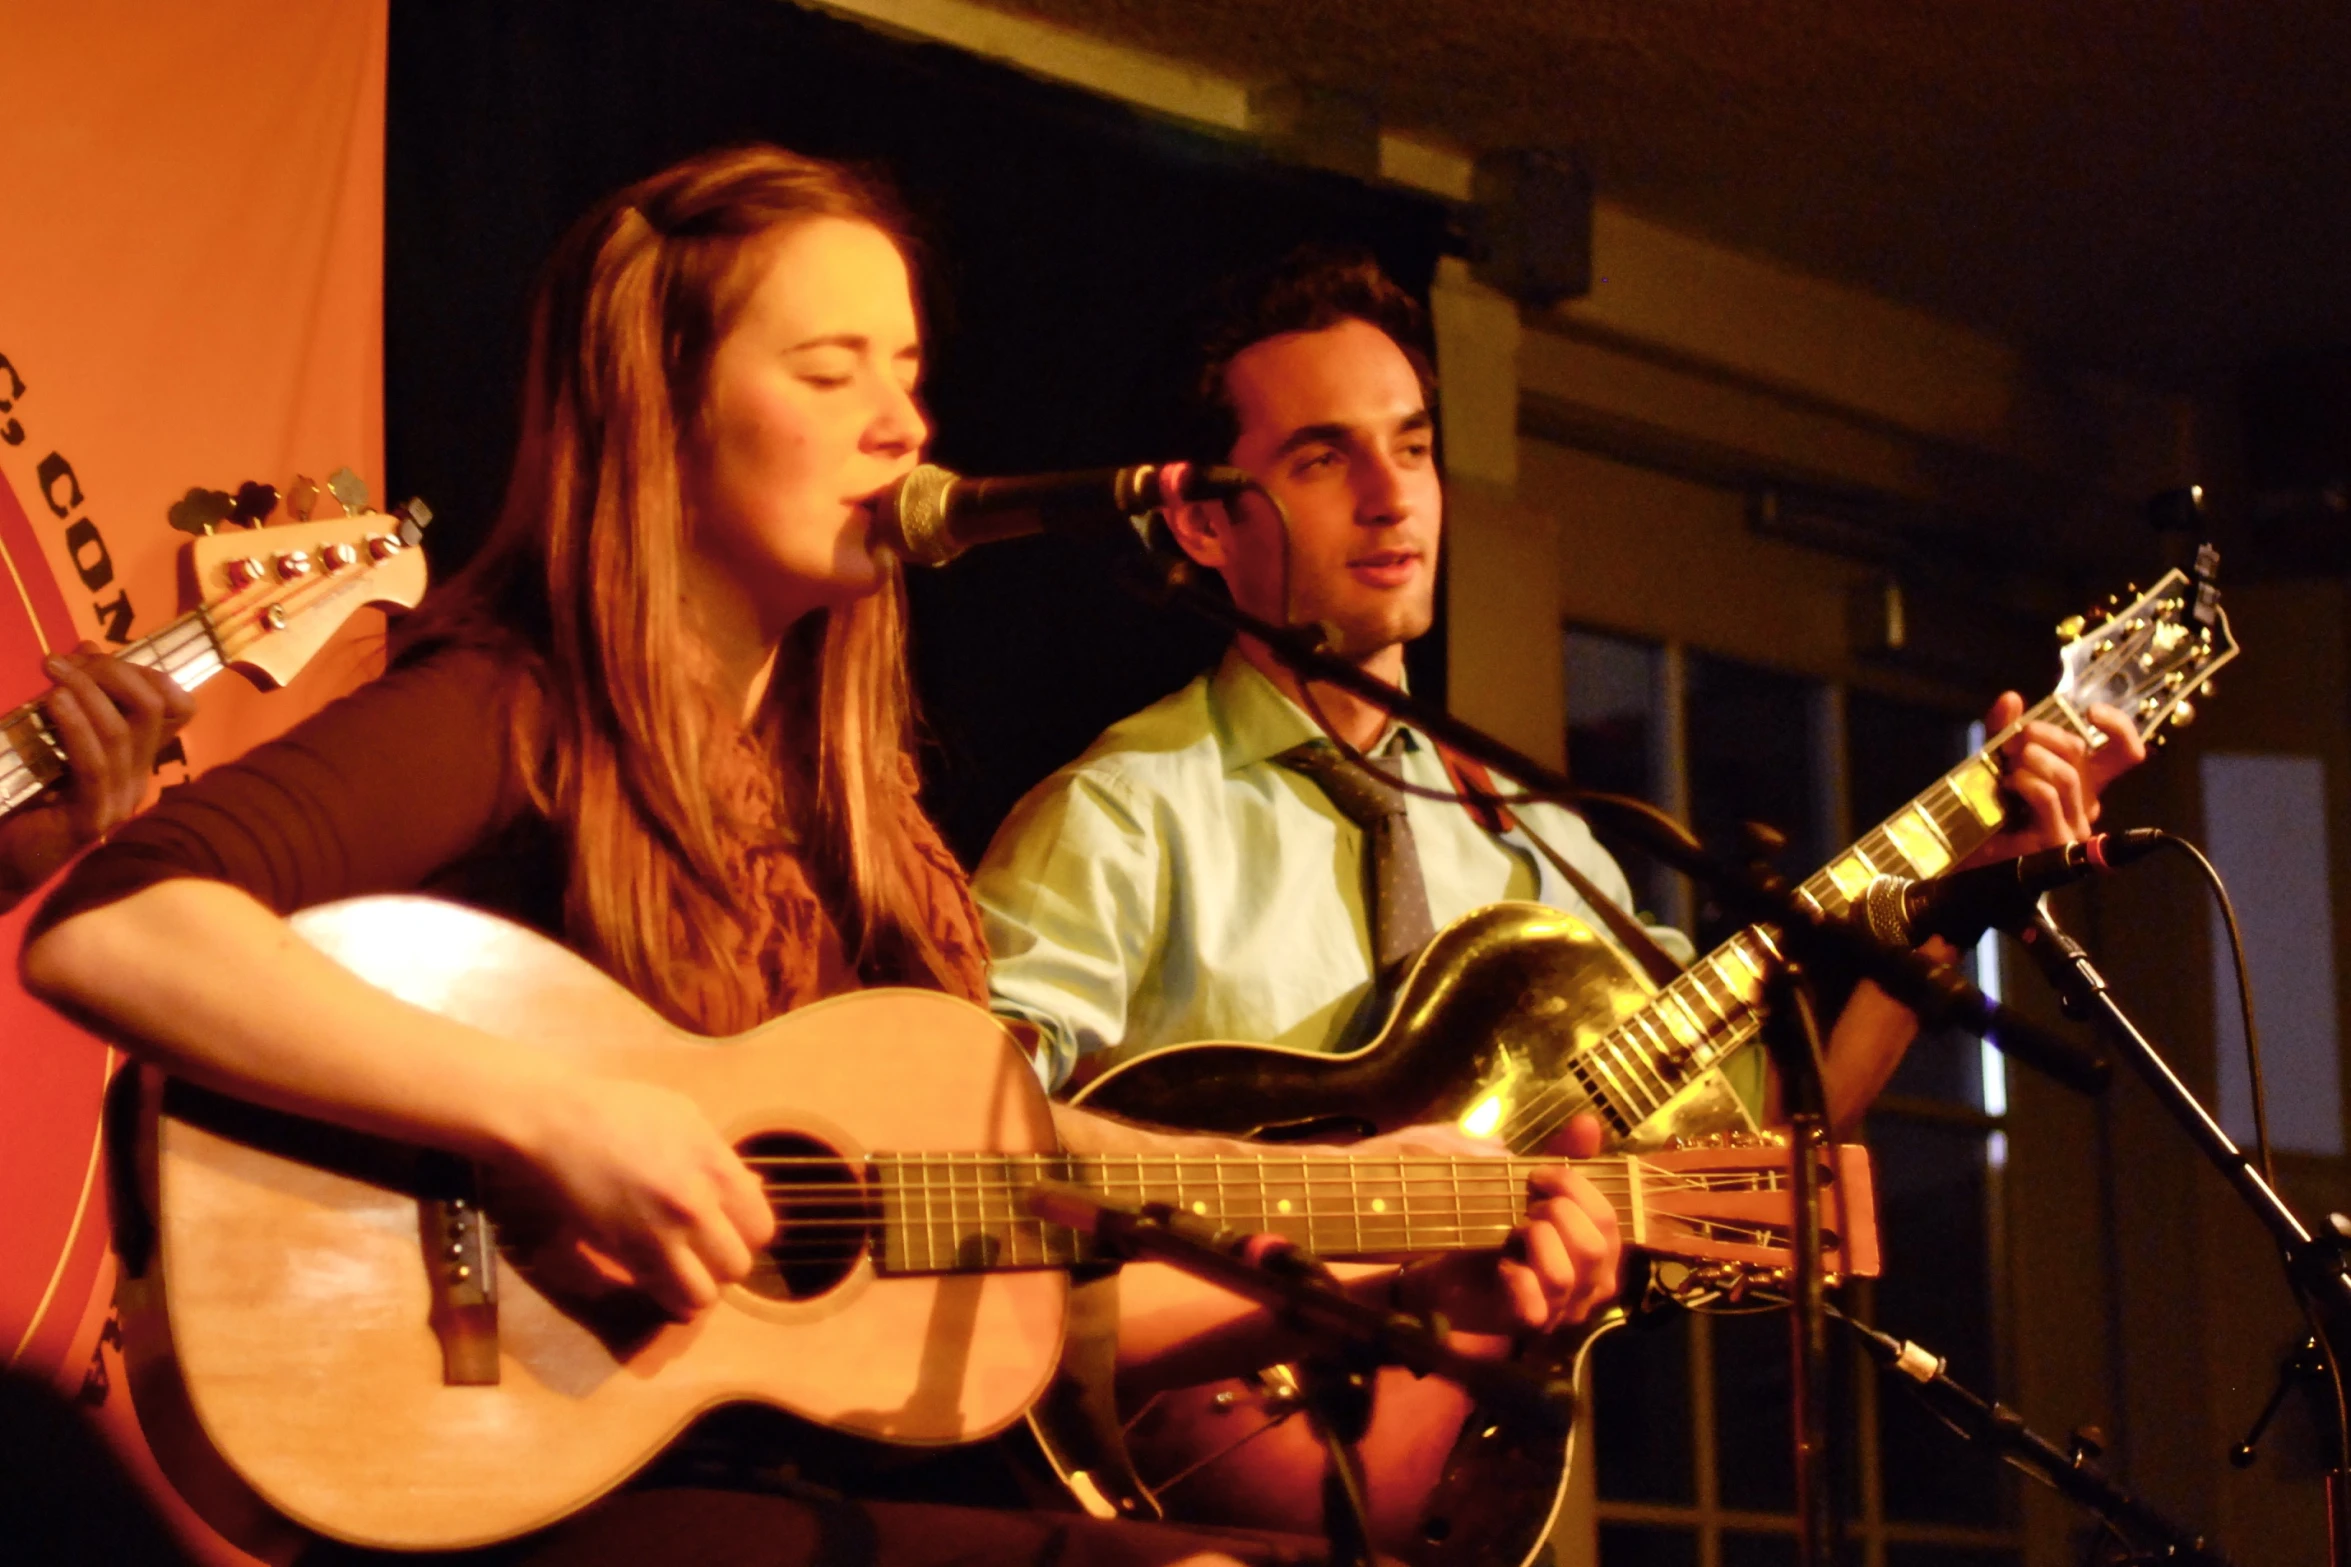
825	1216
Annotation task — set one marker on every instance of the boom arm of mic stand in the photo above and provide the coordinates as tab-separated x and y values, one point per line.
2317	1265
1304	1297
2000	1429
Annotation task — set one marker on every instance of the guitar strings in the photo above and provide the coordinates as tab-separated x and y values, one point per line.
1556	1103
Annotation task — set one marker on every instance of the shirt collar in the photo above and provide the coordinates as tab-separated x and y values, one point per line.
1255	722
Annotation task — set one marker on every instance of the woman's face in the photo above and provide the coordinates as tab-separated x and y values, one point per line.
810	410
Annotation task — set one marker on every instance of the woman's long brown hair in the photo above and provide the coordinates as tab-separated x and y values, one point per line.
619	735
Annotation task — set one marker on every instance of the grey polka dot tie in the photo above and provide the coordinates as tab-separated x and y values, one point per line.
1393	890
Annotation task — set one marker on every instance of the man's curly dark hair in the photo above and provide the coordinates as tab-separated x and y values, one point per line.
1310	289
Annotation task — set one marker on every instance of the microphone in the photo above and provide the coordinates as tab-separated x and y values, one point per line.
1903	913
931	516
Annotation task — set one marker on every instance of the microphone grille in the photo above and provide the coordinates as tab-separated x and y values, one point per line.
1884	910
912	517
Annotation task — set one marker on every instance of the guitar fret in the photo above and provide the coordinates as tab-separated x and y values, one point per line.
1743	984
1643	1074
1355	1201
1453	1170
1661	1046
1977	788
1404	1200
1608	1078
1916	837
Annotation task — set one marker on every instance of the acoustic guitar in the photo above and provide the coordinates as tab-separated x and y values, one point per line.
332	1329
1516	1018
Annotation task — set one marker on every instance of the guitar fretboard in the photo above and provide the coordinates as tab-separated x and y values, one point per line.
32	758
938	1213
1715	1006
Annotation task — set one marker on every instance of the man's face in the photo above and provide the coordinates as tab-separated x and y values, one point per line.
1333	423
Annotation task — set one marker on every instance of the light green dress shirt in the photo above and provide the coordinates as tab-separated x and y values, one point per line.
1175	883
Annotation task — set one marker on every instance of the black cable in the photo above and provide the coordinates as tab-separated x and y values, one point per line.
2228	914
1322	721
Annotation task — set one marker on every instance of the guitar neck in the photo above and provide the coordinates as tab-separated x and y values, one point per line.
1714	1006
32	757
969	1212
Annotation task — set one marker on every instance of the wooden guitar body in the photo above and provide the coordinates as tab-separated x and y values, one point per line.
290	1328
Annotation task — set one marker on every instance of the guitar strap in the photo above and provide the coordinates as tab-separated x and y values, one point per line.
1483	801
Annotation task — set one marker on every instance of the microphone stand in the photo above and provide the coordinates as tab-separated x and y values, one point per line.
1754	893
2314	1266
1353	1340
2071	1471
1791	1032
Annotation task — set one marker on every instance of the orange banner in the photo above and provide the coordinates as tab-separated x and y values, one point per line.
191	295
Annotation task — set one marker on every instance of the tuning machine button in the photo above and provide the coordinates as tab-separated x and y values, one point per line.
2183	715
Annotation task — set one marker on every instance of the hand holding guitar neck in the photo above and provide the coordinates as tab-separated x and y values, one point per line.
108	719
75	764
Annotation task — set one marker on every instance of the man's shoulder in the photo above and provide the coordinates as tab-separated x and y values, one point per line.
1121	783
1171	742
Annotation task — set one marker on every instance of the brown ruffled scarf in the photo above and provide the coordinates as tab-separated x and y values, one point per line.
789	947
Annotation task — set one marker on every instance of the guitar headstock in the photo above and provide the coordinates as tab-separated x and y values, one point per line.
1726	1201
2149	656
275	595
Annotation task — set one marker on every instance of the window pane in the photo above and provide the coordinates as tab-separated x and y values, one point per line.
1615	737
1624	1545
1758	1550
1641	1412
1753	756
2265	828
1894	751
1937	1290
1754	1451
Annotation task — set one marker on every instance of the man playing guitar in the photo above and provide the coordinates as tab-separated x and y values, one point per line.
1177	881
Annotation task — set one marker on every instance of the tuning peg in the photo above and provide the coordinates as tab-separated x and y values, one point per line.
255	501
302	499
2204	693
2183	715
200	511
2072	626
415	516
349	489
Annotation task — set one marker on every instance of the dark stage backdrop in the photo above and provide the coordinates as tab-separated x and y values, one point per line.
1067	244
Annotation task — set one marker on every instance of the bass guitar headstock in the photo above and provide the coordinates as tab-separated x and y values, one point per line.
274	595
2149	656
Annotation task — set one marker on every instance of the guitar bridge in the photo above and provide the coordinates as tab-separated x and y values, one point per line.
461	1260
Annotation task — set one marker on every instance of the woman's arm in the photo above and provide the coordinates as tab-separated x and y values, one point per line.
203	980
